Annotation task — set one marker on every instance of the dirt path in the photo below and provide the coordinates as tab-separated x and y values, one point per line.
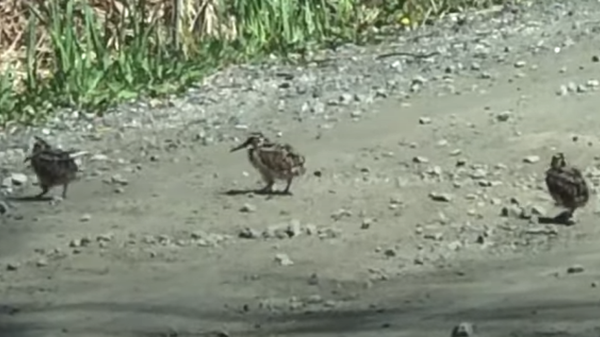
374	254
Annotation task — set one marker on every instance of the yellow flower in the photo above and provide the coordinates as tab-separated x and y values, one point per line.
405	21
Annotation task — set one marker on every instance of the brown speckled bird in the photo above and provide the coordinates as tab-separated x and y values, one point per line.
273	161
566	185
53	167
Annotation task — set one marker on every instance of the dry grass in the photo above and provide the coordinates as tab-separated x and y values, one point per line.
90	54
195	18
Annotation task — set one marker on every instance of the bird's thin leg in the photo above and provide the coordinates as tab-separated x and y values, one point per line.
268	188
269	184
570	219
287	187
64	192
45	190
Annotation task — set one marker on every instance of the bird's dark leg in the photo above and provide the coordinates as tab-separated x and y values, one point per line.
45	190
268	189
64	192
570	217
566	218
286	191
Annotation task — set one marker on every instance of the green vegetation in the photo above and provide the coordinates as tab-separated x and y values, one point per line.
98	60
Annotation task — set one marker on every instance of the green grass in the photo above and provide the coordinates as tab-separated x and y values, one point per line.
90	73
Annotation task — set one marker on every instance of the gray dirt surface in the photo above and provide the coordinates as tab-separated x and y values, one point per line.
420	209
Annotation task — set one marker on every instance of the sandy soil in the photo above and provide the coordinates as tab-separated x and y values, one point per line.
149	244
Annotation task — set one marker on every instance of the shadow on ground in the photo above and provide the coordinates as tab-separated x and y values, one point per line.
134	319
13	230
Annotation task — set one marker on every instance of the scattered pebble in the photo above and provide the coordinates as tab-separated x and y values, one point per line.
118	179
283	259
13	266
248	208
424	120
531	159
443	197
463	329
18	179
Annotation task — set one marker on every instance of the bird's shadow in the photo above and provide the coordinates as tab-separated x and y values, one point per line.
29	198
234	192
564	218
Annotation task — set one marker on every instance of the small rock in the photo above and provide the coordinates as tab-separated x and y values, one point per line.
355	114
390	252
341	213
593	83
366	223
283	259
86	217
118	179
4	208
443	197
7	183
513	211
434	236
418	260
41	263
18	179
294	228
456	152
455	245
424	120
503	116
108	237
248	208
575	269
531	159
313	280
276	231
464	329
12	266
420	160
248	233
329	233
346	98
563	90
79	242
310	229
520	64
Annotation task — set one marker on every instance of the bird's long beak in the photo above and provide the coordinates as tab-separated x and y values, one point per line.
78	154
28	158
239	147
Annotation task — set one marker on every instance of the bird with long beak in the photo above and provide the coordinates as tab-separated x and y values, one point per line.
273	161
52	166
566	186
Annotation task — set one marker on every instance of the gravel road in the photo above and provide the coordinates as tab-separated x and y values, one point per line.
420	210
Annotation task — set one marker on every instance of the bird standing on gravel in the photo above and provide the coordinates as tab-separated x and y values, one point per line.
273	161
53	167
567	186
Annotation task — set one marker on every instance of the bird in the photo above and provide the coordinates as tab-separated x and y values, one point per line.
274	161
566	185
52	166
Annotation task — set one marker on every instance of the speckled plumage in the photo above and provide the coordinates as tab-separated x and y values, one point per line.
274	161
566	184
53	167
